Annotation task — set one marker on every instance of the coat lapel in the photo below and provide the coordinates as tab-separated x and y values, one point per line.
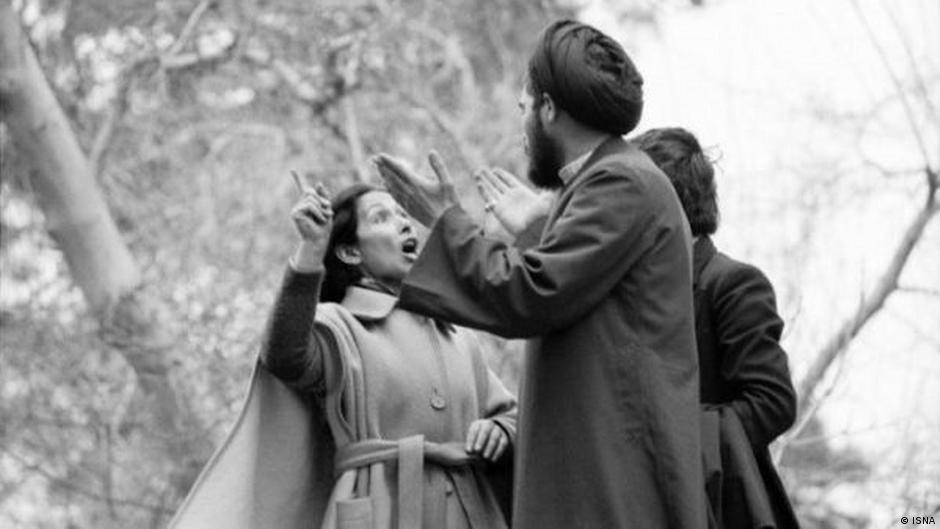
702	253
368	304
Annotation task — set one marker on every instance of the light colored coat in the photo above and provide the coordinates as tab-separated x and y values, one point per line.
399	393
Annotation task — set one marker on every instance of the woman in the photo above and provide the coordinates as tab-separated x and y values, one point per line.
403	407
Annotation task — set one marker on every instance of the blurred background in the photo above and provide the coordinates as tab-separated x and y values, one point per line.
145	193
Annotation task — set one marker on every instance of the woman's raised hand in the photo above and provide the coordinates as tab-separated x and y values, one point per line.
513	204
313	218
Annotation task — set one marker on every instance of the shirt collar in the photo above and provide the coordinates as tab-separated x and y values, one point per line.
568	172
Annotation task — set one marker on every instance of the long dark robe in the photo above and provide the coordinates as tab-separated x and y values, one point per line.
609	414
743	371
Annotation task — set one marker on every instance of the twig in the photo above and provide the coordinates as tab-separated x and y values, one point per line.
468	155
920	290
911	119
918	77
116	110
172	59
190	27
33	467
887	283
354	139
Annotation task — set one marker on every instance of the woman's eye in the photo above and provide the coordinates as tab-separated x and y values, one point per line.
380	217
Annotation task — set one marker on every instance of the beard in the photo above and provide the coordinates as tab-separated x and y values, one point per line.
545	158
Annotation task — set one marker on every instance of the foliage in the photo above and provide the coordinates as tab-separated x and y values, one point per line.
192	113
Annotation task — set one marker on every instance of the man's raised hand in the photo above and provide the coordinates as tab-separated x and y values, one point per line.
513	204
424	199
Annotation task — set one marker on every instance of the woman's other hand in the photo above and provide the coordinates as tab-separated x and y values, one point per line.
513	204
313	219
486	439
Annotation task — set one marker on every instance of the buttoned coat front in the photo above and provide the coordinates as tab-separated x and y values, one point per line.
609	420
363	370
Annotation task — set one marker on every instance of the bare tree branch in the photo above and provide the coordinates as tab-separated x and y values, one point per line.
469	156
118	106
919	81
319	100
908	109
64	483
933	292
172	59
189	28
887	283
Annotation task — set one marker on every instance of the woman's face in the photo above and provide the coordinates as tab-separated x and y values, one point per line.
388	244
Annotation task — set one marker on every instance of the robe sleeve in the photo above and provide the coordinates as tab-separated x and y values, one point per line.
753	362
293	346
464	277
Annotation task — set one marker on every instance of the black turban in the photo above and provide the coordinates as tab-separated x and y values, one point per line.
588	75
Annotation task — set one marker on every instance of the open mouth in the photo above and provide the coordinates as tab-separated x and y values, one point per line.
410	246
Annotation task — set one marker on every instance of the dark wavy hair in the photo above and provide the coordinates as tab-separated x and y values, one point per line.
340	275
677	153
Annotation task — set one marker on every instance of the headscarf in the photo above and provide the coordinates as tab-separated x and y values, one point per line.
588	75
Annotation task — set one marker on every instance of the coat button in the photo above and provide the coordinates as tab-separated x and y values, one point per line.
438	402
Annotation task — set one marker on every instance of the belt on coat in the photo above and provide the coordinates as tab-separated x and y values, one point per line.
411	453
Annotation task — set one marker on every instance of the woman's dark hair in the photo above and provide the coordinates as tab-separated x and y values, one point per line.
678	154
340	275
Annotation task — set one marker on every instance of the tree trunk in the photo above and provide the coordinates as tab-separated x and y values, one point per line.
101	265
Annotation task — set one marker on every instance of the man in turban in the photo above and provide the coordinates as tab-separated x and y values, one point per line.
608	433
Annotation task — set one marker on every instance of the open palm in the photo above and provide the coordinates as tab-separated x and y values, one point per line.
513	204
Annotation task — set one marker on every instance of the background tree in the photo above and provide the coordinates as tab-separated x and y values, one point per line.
168	130
124	349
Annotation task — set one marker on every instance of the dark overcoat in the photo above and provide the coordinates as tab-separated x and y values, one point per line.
743	368
609	418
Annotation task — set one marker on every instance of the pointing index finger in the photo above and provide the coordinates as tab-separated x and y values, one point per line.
299	183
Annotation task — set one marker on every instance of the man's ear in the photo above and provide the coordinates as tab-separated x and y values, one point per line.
349	254
548	110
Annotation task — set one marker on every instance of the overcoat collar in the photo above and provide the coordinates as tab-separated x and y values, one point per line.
369	304
702	252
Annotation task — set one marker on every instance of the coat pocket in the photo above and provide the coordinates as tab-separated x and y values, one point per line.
354	514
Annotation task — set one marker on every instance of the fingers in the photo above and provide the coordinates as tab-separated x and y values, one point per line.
496	443
486	190
393	174
473	435
487	439
300	184
318	192
322	192
389	166
508	179
493	181
440	169
313	207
